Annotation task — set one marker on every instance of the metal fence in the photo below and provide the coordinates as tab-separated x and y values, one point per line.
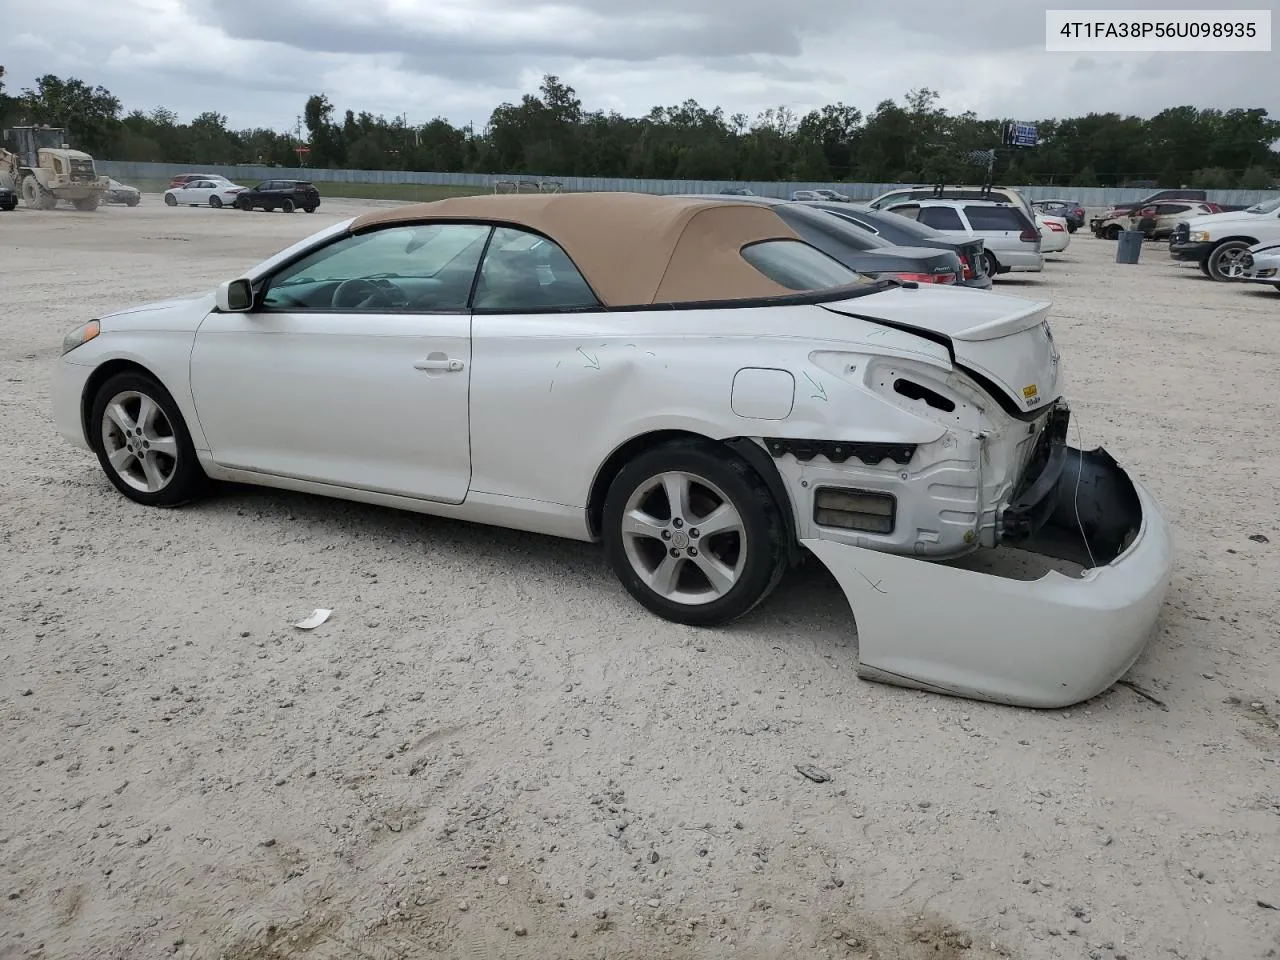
1086	196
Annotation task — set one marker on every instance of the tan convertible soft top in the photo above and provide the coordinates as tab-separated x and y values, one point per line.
633	248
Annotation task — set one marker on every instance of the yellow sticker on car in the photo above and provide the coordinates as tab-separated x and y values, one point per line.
1029	391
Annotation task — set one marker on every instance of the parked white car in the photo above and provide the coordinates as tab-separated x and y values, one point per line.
1261	264
197	193
1217	241
1010	237
681	378
1054	233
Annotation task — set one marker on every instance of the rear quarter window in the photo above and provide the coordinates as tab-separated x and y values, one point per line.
994	218
797	266
940	218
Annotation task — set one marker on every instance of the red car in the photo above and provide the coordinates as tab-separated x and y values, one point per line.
184	178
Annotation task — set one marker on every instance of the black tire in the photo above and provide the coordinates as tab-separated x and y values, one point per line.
170	200
1220	256
286	205
713	472
993	265
1204	267
215	201
1111	233
131	202
309	209
184	478
245	204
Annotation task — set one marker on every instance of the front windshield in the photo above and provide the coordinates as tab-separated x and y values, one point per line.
1266	206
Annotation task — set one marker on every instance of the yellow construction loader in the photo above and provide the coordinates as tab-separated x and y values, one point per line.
38	164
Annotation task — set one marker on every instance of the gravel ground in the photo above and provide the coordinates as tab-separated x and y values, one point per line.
490	751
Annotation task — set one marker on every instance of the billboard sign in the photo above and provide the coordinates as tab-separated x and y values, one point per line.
1017	134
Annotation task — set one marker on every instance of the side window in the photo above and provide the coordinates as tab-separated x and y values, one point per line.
940	218
526	271
993	218
416	268
797	265
911	211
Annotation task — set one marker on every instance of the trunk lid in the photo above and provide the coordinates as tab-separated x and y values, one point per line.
1005	341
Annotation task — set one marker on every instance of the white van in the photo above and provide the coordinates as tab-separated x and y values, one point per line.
1010	237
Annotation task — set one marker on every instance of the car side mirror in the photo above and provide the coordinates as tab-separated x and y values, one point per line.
235	296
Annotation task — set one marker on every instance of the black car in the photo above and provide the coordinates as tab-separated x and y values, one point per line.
8	199
286	195
903	231
857	249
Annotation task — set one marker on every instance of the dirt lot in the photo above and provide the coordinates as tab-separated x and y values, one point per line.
490	751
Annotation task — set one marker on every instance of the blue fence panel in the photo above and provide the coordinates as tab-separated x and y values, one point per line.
1092	197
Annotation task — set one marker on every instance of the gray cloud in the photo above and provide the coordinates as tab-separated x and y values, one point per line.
460	58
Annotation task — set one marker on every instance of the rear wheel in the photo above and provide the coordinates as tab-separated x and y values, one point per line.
309	209
215	201
286	205
993	265
87	204
142	442
693	533
1111	233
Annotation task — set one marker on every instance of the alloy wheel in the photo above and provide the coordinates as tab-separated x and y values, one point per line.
684	538
139	441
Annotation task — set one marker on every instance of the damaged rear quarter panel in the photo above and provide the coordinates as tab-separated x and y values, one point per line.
553	396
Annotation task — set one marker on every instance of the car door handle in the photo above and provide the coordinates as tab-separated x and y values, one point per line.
430	363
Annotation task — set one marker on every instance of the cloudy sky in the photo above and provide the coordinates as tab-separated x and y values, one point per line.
258	62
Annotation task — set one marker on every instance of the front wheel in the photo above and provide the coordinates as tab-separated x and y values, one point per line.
215	201
1224	261
693	533
1111	233
131	202
170	200
142	442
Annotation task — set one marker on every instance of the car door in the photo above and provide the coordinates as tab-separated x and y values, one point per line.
353	366
198	191
534	329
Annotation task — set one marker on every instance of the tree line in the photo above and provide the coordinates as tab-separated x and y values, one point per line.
549	133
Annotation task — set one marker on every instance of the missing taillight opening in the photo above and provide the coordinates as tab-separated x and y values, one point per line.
866	510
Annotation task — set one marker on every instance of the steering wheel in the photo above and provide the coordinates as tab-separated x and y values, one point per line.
366	294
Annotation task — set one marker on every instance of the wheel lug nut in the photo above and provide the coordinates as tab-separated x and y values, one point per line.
693	531
666	534
677	522
693	551
675	553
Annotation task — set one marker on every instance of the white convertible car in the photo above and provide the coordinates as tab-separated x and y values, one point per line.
1260	264
683	379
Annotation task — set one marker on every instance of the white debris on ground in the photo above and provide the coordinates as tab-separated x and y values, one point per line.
492	751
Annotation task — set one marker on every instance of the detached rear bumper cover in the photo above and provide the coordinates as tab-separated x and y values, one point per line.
1051	642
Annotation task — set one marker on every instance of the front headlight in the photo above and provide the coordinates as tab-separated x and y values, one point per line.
80	335
1198	236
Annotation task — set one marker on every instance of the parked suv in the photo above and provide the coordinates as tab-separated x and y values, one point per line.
1156	221
286	195
1011	239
